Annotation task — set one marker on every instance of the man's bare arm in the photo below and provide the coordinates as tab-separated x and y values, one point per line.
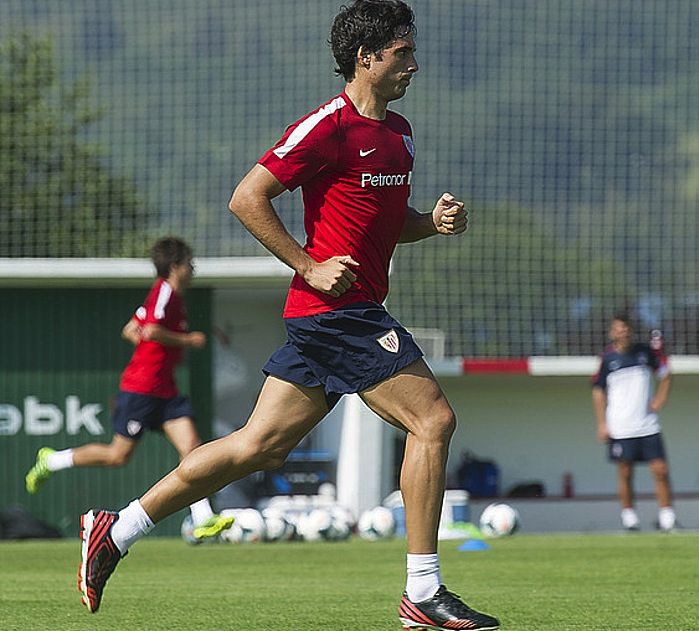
599	405
448	217
661	394
251	203
158	333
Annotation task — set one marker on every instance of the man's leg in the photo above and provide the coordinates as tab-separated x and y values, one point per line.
413	401
663	493
283	415
182	434
114	454
629	518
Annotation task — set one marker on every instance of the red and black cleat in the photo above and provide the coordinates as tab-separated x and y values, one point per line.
443	612
99	556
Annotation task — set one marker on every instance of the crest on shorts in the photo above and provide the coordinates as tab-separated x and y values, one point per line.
409	145
390	341
133	427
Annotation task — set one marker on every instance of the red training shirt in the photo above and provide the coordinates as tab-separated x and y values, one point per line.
354	173
152	367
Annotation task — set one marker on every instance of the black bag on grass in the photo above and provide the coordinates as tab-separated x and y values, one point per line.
16	522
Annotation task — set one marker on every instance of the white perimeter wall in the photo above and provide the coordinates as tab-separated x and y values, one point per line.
537	428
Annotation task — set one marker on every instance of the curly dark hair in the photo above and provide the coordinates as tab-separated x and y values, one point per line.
371	24
167	252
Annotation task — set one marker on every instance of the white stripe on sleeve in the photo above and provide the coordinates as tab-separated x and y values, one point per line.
163	298
305	128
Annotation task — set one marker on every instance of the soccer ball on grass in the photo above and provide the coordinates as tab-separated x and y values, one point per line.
499	520
278	527
316	525
187	531
376	523
248	527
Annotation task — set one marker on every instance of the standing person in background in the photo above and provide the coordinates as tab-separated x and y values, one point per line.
627	416
148	398
353	159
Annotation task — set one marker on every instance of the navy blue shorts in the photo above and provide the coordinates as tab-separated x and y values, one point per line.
346	350
136	413
640	449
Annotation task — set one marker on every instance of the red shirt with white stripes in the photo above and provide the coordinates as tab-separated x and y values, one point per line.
354	173
152	367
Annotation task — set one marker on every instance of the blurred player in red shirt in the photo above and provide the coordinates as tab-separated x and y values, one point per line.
148	398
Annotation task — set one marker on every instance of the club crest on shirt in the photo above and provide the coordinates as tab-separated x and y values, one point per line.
409	145
390	341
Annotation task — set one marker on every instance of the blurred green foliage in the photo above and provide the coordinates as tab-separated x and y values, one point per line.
569	128
57	197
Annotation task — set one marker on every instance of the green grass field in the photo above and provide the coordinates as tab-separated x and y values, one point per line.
590	582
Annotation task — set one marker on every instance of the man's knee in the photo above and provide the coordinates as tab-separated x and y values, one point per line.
440	425
447	423
625	469
268	452
118	458
659	469
272	457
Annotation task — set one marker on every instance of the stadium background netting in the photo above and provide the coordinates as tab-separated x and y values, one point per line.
570	128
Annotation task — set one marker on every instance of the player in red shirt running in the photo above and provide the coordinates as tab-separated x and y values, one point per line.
353	159
148	398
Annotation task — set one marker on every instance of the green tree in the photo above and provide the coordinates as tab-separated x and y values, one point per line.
57	196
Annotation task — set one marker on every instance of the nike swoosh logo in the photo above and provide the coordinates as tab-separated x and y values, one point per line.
364	154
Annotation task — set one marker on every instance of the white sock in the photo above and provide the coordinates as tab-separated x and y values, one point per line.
629	518
666	518
132	524
424	577
201	511
60	460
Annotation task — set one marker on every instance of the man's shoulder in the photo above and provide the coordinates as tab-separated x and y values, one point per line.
154	289
159	286
326	113
397	120
641	348
162	298
313	129
607	352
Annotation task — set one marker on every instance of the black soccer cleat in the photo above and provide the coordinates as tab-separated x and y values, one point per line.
99	555
443	612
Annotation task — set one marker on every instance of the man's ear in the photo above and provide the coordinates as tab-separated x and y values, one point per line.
363	58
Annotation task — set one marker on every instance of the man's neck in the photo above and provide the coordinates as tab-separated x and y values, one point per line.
365	100
622	348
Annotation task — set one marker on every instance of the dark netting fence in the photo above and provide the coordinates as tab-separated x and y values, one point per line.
570	128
